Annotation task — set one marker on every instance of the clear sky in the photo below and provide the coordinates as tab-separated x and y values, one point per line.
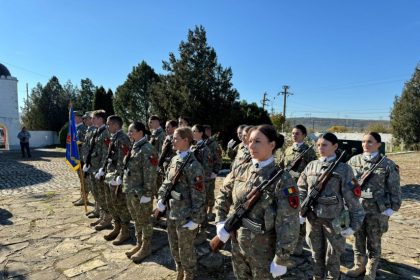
345	59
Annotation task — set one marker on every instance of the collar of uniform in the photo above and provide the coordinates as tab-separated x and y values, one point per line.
183	154
79	124
101	126
141	141
261	164
116	133
158	130
370	156
328	159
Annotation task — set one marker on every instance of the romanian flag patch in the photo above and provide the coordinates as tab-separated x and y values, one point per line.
289	191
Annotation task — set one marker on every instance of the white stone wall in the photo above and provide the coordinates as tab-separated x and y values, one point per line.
9	113
43	138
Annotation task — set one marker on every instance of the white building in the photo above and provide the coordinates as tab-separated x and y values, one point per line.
9	112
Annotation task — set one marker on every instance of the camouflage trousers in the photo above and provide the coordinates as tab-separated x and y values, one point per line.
210	186
140	214
98	191
181	242
252	254
370	234
117	204
326	247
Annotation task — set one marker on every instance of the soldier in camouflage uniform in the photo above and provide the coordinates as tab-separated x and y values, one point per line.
285	160
232	150
243	156
139	179
216	155
100	142
325	233
380	197
184	121
81	132
262	245
186	204
116	200
203	155
167	149
156	139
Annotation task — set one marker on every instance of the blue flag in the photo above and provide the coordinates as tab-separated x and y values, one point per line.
72	151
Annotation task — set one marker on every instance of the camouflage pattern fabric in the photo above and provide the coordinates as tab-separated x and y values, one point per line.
157	138
277	213
326	244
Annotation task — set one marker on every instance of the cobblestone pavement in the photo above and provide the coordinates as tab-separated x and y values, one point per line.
43	236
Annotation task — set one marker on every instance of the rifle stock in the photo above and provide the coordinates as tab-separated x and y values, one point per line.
298	159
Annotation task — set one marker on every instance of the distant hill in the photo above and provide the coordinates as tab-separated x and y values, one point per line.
322	124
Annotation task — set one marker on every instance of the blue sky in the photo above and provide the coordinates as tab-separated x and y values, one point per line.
345	59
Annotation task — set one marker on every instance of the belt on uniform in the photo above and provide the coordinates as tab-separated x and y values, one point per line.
254	227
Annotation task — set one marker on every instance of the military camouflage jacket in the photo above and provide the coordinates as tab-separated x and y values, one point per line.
337	192
382	189
232	152
140	169
188	197
118	148
167	151
243	156
100	150
156	139
290	154
90	131
203	155
216	154
81	132
276	210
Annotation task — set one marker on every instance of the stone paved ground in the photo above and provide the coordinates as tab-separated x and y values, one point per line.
43	236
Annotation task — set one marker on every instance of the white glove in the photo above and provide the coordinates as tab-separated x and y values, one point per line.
301	220
388	212
145	199
231	143
118	180
113	183
213	175
190	225
277	270
221	232
100	173
86	167
160	206
347	232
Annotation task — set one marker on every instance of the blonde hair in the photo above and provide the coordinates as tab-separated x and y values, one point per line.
185	132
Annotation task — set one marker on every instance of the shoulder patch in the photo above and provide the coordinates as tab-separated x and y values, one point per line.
153	160
125	149
291	193
397	168
199	183
355	187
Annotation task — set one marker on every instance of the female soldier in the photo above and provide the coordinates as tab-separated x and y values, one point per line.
286	159
138	183
381	197
327	242
269	232
203	155
243	155
186	203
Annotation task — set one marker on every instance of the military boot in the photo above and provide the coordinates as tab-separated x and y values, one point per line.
105	223
371	267
134	250
180	270
123	236
188	275
145	251
97	221
114	233
359	267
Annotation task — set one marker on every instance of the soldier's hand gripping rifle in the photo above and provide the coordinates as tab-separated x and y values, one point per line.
297	160
365	176
108	158
234	221
319	186
167	195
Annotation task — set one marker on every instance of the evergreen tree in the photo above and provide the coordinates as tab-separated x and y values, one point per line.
405	115
84	99
133	98
102	100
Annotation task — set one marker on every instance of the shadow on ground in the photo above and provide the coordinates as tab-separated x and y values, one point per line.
5	215
411	192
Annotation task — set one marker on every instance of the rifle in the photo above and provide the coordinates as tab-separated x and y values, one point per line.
295	162
234	221
365	176
167	194
319	186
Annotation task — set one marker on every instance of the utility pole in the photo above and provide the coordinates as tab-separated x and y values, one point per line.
264	100
285	93
27	92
